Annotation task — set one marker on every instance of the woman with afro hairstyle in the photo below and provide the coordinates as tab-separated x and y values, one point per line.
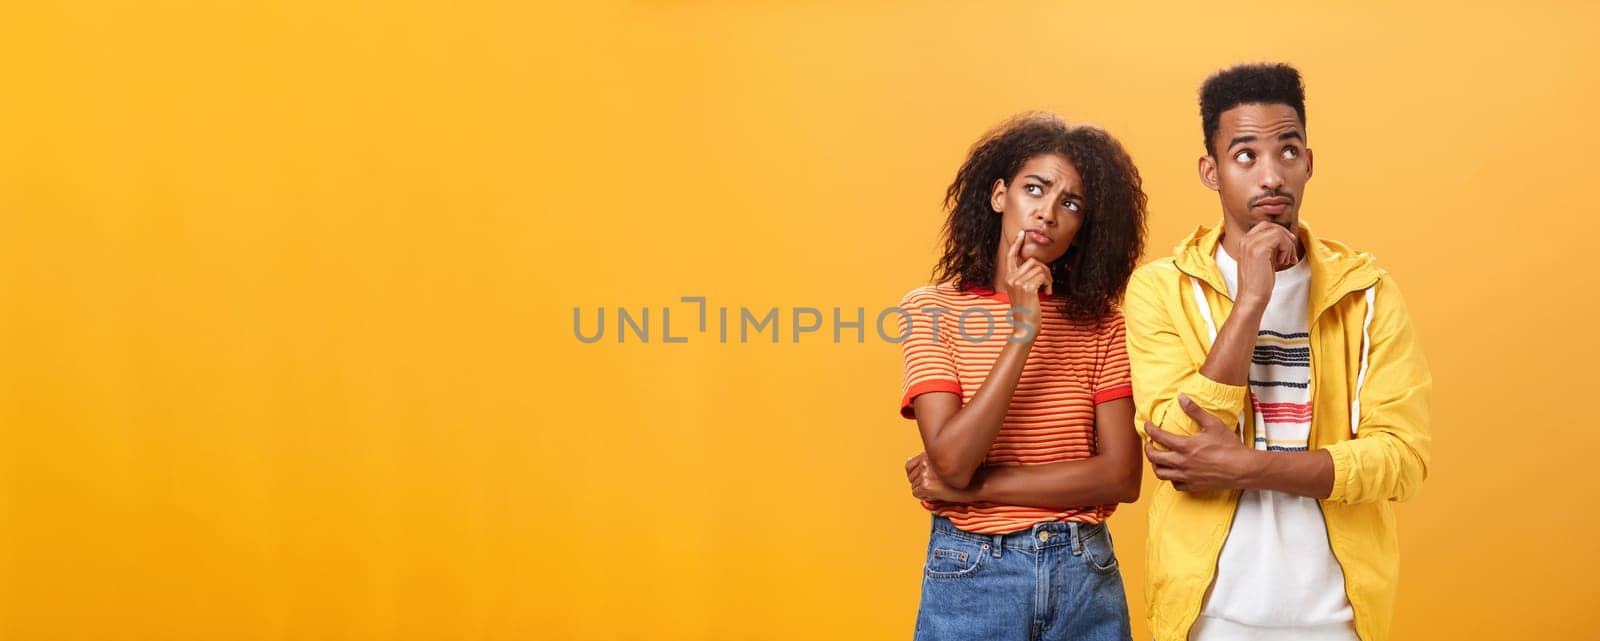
1017	376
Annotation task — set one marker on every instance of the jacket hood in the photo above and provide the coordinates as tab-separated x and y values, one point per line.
1336	268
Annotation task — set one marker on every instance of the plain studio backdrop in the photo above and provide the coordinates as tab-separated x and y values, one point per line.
289	289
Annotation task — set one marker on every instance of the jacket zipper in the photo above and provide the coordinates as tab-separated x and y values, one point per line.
1355	615
1194	615
1237	494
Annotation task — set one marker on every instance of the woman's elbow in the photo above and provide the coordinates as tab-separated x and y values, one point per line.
1126	481
1127	487
952	473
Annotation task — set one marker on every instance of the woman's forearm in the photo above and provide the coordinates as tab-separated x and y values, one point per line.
1058	486
963	440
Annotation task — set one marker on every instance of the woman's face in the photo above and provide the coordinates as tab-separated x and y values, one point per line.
1046	200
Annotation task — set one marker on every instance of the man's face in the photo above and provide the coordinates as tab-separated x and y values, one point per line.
1259	165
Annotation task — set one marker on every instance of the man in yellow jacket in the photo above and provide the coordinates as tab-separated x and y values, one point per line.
1282	394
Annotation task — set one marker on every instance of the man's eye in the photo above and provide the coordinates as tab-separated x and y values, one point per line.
1244	156
1290	153
1035	189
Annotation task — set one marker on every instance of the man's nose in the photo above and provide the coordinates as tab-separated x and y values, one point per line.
1271	177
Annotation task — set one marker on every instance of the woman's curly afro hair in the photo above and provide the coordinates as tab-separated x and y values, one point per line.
1093	274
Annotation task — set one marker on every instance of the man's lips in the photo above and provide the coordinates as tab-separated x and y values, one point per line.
1272	204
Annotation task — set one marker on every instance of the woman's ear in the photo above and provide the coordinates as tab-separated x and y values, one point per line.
997	196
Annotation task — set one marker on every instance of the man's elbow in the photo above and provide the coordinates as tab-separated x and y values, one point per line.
1410	469
1410	482
1395	475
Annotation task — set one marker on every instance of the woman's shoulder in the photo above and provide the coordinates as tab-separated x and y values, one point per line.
937	294
1112	325
1108	326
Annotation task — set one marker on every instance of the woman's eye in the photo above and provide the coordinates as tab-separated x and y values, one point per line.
1035	190
1071	205
1244	156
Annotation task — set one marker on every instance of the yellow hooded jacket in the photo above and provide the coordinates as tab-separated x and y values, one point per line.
1370	388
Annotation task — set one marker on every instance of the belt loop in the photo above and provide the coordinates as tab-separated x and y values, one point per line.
999	542
1077	539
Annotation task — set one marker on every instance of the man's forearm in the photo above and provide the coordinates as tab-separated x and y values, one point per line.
1299	473
1307	474
1229	360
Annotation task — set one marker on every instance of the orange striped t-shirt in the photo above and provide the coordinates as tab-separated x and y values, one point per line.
1071	368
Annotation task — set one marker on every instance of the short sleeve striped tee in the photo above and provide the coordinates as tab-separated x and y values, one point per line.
952	339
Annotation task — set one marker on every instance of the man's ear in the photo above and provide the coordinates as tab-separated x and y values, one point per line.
1308	163
1208	172
997	196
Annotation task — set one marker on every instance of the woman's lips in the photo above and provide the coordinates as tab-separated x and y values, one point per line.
1038	237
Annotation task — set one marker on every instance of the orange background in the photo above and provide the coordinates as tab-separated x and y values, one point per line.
288	292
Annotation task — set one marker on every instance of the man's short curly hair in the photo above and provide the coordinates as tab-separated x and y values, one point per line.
1260	83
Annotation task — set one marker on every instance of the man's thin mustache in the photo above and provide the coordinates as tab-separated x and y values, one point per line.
1274	194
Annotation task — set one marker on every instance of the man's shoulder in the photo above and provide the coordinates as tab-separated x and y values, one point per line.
1346	261
1342	250
1157	270
1150	290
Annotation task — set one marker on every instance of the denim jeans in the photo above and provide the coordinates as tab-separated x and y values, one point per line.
1052	581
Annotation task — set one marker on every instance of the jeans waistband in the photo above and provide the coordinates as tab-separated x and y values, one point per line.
1039	536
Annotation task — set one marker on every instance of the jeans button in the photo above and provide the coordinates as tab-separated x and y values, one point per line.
1044	537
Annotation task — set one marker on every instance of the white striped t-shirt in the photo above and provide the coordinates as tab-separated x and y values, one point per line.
1277	577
